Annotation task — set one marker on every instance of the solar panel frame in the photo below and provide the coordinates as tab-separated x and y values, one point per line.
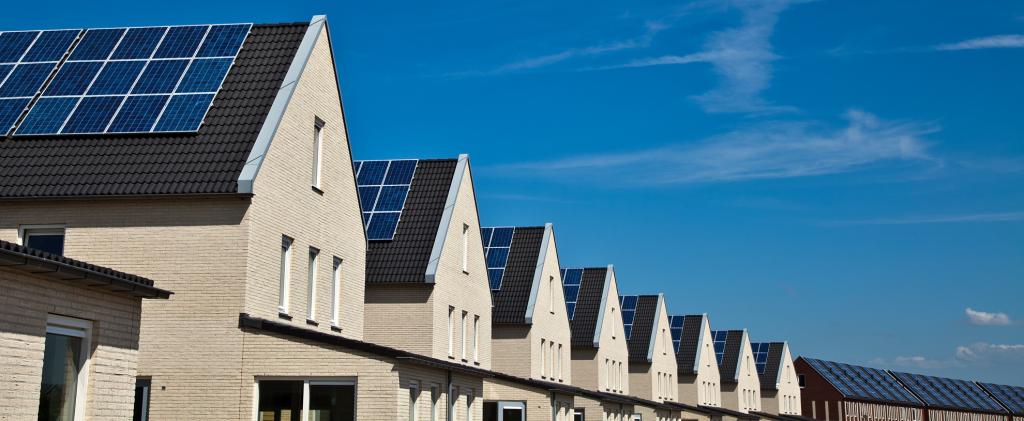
572	278
627	303
497	247
718	338
675	324
371	176
1012	397
858	382
760	352
950	393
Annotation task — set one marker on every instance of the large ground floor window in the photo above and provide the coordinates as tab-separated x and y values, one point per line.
66	353
289	400
504	411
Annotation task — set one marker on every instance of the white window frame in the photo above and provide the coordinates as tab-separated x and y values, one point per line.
25	231
335	290
559	362
543	357
287	245
435	397
414	401
464	337
79	328
306	383
476	338
453	399
470	401
551	294
451	331
503	405
551	358
465	248
311	275
318	148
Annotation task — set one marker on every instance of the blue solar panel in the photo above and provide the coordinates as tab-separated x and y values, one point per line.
497	244
73	78
181	42
116	78
1011	397
160	77
719	337
571	280
13	45
205	75
949	393
628	304
26	79
93	114
51	46
760	351
47	115
676	326
137	114
10	110
5	69
223	40
139	43
382	202
184	113
96	44
862	382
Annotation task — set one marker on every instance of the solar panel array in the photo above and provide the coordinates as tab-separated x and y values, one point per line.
1011	396
571	279
676	326
628	304
116	80
950	393
863	382
760	350
719	337
383	188
497	243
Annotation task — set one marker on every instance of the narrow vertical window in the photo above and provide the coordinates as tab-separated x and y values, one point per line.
551	294
476	338
414	397
551	353
462	339
286	263
543	357
559	362
314	258
451	331
470	399
435	396
65	354
318	145
465	248
335	290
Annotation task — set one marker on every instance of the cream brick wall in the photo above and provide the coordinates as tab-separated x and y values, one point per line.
396	315
588	368
284	203
25	303
788	388
595	410
690	386
644	378
732	393
537	401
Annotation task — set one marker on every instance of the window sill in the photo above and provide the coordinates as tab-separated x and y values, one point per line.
283	315
317	190
312	322
335	328
465	272
451	357
465	360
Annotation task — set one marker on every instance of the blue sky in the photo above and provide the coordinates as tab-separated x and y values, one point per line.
848	176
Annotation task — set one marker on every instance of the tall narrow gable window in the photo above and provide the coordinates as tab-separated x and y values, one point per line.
451	331
314	258
335	290
465	248
559	362
543	357
318	146
463	337
476	338
286	263
551	294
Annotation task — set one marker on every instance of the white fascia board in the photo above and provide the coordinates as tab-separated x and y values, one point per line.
446	219
538	273
705	326
284	96
654	327
608	276
744	344
782	365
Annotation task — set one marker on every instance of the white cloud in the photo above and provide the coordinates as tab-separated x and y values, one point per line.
915	361
982	353
763	151
939	219
995	41
984	318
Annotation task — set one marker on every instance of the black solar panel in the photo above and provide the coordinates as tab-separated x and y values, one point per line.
676	326
383	188
862	382
760	351
497	245
628	304
571	279
949	393
1011	397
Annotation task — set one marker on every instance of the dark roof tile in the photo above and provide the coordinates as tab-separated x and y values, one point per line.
643	323
588	306
511	300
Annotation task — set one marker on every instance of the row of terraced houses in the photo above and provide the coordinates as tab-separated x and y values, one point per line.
252	270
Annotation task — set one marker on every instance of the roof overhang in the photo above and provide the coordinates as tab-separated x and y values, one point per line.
76	275
609	277
446	219
538	272
654	327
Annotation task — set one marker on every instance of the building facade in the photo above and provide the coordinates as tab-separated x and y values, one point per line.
780	388
741	387
699	379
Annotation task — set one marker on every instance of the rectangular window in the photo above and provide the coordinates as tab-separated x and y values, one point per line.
48	238
559	362
286	400
314	258
476	338
551	294
470	400
451	331
453	398
579	414
414	397
141	411
318	145
65	356
335	291
465	248
543	357
435	396
607	374
286	263
551	360
463	337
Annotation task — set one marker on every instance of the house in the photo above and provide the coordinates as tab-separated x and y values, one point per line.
530	333
598	346
741	387
69	334
696	360
780	388
652	362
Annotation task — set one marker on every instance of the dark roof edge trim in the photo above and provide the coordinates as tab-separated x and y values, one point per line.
782	417
538	273
284	96
608	276
132	196
72	265
729	412
446	219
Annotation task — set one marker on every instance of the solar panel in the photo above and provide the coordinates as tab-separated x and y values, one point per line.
862	382
497	244
383	188
157	79
571	280
760	350
1011	397
719	337
628	304
950	393
676	326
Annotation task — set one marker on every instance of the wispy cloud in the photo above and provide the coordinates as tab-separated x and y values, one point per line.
763	151
984	318
938	219
916	361
982	353
995	41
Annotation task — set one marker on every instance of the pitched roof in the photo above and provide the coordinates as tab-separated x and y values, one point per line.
405	258
206	162
644	319
769	377
731	358
1012	397
946	393
588	307
76	271
689	343
865	383
513	298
